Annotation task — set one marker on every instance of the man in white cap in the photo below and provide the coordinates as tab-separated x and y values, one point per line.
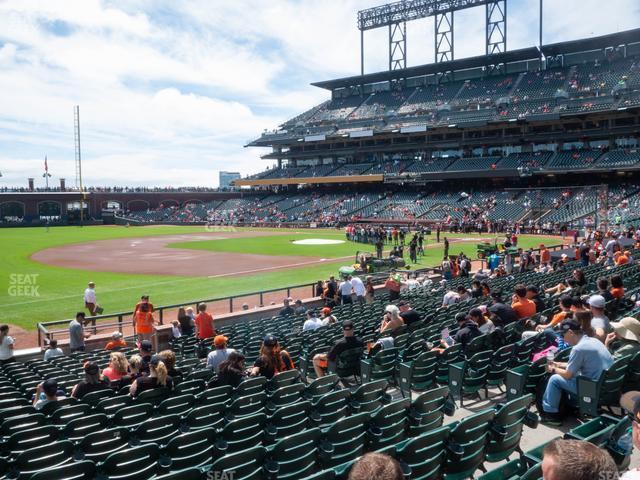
625	338
599	322
630	403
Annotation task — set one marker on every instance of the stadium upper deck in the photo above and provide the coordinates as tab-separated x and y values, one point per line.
563	97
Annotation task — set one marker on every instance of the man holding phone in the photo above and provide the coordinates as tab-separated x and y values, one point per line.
467	331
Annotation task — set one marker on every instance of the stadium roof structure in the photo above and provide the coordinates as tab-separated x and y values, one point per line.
512	56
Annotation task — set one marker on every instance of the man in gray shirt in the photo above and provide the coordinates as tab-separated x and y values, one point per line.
599	322
220	354
76	333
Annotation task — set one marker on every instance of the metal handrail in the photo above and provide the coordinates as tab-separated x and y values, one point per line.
45	332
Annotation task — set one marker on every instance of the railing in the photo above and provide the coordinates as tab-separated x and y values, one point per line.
48	330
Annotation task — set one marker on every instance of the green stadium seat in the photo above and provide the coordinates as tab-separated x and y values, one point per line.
283	379
157	430
388	425
249	404
330	407
31	438
186	474
427	411
512	470
109	406
135	463
21	422
251	386
604	392
344	440
206	416
190	387
154	396
381	366
77	428
469	376
242	433
176	405
295	456
97	446
506	429
42	458
285	395
132	416
242	465
85	470
423	457
92	398
419	374
191	449
467	443
320	386
369	397
288	420
63	415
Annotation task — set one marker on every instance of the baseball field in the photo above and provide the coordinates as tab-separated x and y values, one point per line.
43	273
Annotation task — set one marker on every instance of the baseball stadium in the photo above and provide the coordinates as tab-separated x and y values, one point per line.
434	274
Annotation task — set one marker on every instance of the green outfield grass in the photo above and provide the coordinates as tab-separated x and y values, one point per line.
56	293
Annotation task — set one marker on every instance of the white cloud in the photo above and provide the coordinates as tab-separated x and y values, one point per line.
170	92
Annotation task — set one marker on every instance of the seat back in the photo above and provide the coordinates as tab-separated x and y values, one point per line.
179	405
283	379
191	449
43	458
369	397
389	424
97	446
85	470
243	433
206	416
330	407
321	386
288	420
426	411
77	428
132	416
251	386
135	463
158	430
153	396
506	429
468	439
424	456
295	455
242	465
344	440
248	404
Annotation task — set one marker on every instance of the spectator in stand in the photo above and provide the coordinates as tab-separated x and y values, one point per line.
232	370
118	367
391	319
346	289
600	322
186	322
577	460
369	290
467	331
617	287
6	345
46	392
286	310
158	378
319	288
53	351
409	316
77	334
327	317
358	289
376	466
566	303
144	299
146	347
534	295
349	341
272	359
299	308
176	332
603	289
143	322
204	323
92	382
116	343
620	258
501	313
588	358
90	301
135	366
630	403
484	324
545	256
169	359
625	338
312	322
393	284
523	307
219	354
330	292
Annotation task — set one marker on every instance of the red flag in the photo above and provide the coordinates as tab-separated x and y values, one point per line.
46	167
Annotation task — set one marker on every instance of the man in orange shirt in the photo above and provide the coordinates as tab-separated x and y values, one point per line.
620	258
204	323
143	322
523	307
545	255
143	299
116	343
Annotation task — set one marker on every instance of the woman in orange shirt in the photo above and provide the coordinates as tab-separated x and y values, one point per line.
143	322
617	287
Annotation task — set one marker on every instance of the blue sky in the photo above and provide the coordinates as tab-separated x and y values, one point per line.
169	92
